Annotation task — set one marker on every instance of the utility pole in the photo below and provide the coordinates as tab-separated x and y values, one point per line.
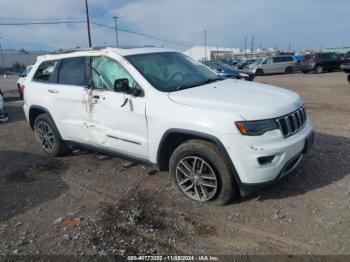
3	59
116	30
245	47
252	46
289	47
205	45
88	22
217	52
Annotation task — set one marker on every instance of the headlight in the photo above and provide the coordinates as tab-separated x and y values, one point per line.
256	128
243	75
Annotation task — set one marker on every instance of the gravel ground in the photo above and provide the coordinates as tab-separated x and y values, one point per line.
87	203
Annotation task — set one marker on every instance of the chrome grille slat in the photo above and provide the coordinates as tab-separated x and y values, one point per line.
292	123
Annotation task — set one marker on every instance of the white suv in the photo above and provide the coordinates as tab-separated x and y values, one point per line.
215	136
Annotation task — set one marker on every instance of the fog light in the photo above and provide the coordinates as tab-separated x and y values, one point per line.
264	160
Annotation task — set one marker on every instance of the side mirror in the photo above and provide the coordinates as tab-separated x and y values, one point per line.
122	86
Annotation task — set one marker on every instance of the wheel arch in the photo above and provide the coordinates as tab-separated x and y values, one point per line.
172	138
35	111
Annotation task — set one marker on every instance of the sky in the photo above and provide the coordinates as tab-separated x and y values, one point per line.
304	24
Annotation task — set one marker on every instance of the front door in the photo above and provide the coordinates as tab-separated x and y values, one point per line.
117	120
268	66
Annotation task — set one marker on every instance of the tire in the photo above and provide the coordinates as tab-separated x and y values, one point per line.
289	70
217	173
349	78
20	91
318	69
259	72
48	136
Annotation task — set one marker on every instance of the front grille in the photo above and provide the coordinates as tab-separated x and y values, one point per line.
293	122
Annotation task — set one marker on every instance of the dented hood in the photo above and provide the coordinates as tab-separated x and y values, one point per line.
251	100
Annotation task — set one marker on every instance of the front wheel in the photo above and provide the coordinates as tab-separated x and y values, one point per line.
318	69
259	72
200	172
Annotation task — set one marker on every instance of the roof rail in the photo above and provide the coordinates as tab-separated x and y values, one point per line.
71	50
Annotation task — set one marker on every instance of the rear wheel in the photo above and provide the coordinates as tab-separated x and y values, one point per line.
289	70
318	69
200	172
48	136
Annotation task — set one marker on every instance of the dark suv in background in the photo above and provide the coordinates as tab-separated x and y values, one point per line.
320	62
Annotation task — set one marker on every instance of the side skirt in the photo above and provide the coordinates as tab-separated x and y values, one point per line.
76	145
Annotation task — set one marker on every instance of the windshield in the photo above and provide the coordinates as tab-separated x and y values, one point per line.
171	71
225	66
258	61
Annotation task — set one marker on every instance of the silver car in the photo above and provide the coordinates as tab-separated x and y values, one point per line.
274	65
3	114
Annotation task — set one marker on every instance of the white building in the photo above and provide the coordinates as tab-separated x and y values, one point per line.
198	52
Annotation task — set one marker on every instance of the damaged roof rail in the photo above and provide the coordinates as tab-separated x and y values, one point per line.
71	50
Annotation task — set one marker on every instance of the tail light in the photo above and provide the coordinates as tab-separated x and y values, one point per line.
22	88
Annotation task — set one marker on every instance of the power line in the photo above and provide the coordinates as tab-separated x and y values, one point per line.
97	24
40	19
43	23
141	34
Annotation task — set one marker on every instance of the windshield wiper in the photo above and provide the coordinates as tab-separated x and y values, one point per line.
211	80
208	81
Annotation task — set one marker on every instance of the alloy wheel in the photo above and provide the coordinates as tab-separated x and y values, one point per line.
196	178
46	136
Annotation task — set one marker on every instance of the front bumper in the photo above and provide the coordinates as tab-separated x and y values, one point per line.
345	67
245	153
289	167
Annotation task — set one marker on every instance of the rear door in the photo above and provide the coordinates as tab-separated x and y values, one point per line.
38	90
68	98
334	61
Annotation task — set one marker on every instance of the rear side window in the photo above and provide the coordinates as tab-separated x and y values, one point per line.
289	59
45	71
73	71
278	59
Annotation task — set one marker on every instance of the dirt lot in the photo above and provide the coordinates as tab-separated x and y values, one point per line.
86	203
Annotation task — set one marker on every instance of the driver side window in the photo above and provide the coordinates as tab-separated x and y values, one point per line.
106	70
269	61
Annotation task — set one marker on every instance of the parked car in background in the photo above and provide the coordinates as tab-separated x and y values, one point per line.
345	58
320	62
346	68
215	136
3	113
274	65
225	70
20	81
244	64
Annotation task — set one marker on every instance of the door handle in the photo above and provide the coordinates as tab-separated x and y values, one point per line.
53	91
